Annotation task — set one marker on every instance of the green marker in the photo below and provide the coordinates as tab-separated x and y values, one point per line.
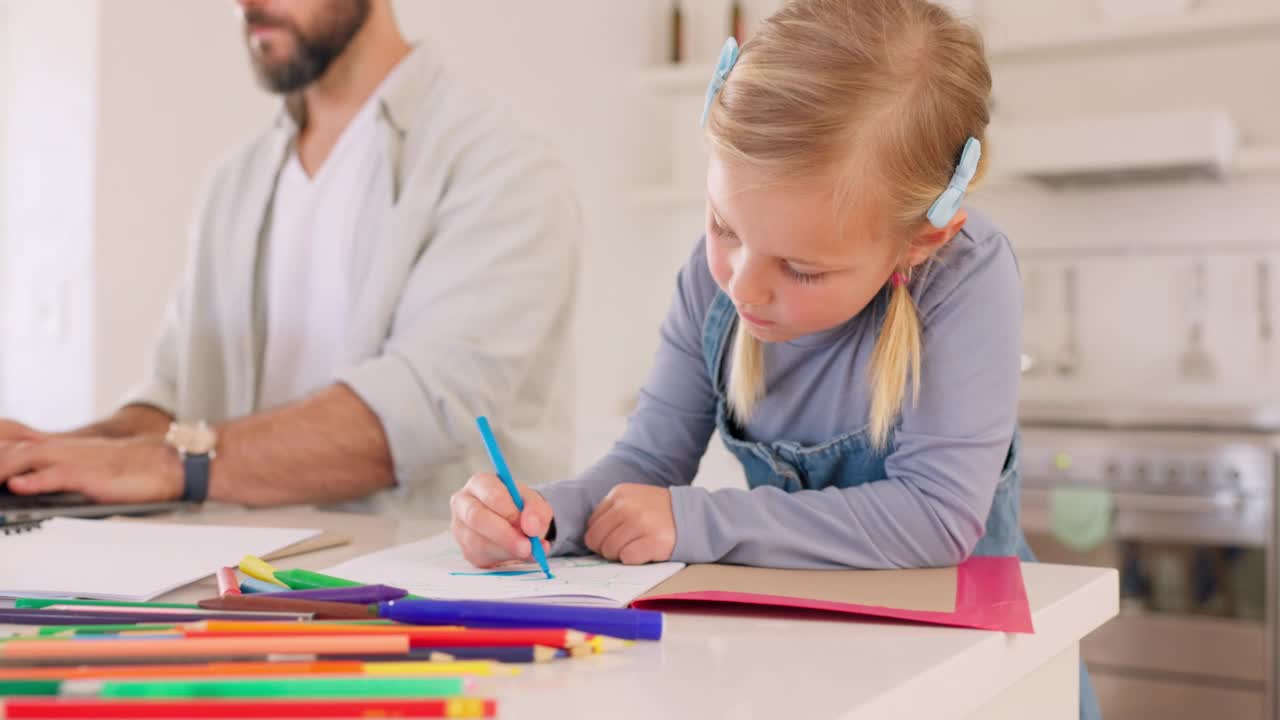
45	688
299	579
268	688
38	603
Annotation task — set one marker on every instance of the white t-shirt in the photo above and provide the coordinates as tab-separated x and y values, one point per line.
309	252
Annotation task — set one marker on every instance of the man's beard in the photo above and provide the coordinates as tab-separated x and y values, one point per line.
312	56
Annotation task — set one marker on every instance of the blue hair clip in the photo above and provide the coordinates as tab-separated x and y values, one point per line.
728	58
945	207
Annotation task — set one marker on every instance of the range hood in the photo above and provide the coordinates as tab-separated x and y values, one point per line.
1131	147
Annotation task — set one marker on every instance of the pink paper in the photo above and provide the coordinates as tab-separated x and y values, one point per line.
990	595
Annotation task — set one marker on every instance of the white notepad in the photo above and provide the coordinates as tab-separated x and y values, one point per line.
435	568
106	560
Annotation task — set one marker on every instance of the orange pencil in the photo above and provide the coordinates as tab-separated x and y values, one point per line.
74	649
183	670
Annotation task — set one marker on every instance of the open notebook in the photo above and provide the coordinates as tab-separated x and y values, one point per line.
435	568
982	592
104	560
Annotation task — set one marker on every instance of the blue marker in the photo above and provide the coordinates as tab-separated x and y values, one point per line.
614	622
504	473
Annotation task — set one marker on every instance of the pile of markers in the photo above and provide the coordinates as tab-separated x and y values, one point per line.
289	644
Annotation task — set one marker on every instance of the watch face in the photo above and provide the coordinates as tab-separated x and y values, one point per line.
198	439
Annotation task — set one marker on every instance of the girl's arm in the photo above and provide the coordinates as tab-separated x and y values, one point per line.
948	454
667	433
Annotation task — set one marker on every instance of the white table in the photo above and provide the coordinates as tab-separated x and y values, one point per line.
757	666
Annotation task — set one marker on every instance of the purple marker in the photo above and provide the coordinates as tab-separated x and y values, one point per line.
359	594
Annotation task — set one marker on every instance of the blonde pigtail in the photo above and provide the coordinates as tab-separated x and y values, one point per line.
746	378
895	362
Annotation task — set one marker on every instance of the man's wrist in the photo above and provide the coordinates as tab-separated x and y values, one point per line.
168	463
195	446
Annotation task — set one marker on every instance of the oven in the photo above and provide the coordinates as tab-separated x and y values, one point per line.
1187	518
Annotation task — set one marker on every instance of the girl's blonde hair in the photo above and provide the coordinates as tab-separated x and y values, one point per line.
881	94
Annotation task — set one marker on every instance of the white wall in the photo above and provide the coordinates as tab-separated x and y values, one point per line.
46	281
174	94
117	109
166	90
4	93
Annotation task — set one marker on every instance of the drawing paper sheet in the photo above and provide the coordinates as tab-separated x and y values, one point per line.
136	561
435	568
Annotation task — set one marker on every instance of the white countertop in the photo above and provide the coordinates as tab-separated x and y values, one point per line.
763	665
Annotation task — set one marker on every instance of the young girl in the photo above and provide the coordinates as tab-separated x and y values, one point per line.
850	331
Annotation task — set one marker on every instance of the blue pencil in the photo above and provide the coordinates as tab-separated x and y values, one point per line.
504	473
250	586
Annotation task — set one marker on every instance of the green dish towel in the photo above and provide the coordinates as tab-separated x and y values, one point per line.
1080	516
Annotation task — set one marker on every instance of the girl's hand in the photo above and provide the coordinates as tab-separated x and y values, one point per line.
634	524
487	525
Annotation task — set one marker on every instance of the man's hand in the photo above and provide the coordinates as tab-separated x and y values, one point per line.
633	524
12	432
131	470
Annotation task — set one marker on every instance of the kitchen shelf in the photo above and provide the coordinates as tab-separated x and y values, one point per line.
681	79
1257	160
1123	33
685	197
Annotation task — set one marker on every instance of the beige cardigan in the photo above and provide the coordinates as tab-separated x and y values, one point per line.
462	288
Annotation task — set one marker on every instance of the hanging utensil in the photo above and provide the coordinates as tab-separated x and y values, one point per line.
1266	331
1032	357
1069	357
1196	364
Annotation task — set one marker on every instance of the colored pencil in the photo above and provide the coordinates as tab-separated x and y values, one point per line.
362	594
330	687
54	650
319	609
132	611
614	622
108	629
228	582
259	569
477	668
37	603
518	654
251	586
417	637
298	579
320	627
17	616
504	474
48	709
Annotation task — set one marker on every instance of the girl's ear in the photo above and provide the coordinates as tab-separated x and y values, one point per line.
931	239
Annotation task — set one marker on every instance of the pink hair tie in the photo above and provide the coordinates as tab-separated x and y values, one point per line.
899	279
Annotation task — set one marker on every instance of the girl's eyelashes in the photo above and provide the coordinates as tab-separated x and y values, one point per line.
720	230
802	277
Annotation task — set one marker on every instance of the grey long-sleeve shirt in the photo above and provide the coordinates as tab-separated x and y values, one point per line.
949	449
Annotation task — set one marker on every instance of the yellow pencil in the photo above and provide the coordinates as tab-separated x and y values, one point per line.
259	569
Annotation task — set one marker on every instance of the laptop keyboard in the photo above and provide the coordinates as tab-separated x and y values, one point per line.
9	501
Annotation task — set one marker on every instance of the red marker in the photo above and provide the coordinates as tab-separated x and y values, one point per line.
63	709
228	583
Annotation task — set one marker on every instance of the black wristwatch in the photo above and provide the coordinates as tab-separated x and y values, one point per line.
196	448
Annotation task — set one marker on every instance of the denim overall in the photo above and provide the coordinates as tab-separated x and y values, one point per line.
849	460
